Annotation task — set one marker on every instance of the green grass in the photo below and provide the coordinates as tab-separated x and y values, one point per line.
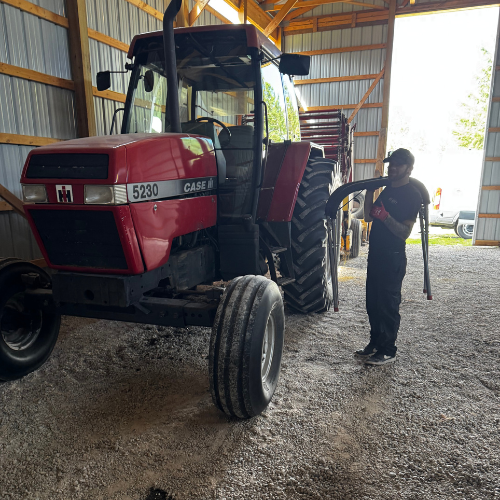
443	239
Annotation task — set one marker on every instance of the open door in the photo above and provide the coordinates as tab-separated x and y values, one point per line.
487	230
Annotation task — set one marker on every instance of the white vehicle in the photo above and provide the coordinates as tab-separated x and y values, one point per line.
453	213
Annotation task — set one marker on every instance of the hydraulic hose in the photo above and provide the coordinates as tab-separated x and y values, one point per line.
333	206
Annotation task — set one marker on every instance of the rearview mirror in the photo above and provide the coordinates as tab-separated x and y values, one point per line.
103	80
149	80
295	64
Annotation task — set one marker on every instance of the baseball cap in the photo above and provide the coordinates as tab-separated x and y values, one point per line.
400	157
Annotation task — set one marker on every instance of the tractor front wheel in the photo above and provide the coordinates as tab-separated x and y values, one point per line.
312	289
246	346
28	332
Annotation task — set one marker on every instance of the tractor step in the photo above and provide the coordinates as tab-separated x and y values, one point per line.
285	281
278	249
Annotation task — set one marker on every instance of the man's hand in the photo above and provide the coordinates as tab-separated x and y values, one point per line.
379	212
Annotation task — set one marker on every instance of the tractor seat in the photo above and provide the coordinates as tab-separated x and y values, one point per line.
238	152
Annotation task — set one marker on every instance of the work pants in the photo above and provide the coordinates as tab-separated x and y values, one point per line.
383	295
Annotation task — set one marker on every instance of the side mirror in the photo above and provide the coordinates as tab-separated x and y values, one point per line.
103	80
149	80
295	64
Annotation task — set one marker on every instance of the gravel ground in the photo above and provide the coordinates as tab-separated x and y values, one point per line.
122	411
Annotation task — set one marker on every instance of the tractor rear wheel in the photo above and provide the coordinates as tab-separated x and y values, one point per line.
246	346
28	332
312	289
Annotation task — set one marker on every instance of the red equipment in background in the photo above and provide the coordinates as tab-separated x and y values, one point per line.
331	130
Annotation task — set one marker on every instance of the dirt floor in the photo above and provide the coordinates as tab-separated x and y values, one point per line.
123	411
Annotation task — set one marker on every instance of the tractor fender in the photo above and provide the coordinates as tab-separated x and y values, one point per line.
280	196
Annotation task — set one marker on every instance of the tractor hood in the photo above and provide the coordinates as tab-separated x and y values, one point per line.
122	159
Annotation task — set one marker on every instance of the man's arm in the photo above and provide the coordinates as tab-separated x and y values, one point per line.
368	205
400	229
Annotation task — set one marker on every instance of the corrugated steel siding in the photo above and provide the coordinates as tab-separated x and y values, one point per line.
30	108
122	21
349	92
489	200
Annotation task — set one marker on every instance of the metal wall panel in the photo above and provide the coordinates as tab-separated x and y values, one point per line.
488	229
30	108
16	238
348	92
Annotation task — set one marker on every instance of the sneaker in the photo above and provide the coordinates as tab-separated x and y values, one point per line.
368	351
380	359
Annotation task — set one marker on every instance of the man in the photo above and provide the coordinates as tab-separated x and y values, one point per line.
393	215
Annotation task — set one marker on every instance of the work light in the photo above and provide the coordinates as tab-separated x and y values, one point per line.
106	195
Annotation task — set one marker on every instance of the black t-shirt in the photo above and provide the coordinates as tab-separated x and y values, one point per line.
402	203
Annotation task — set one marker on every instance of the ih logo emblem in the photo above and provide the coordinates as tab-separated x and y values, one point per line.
64	194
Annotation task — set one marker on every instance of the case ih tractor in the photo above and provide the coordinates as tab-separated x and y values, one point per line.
139	226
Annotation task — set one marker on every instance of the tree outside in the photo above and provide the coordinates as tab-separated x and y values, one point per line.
470	128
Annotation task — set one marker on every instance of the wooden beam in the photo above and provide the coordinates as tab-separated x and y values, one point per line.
182	18
198	8
256	16
112	42
147	8
382	139
39	262
490	188
35	76
444	6
12	200
26	140
494	129
297	12
365	97
492	158
285	9
365	161
218	15
243	12
37	11
109	94
375	16
5	207
342	50
341	106
317	3
489	216
80	65
366	134
336	79
486	243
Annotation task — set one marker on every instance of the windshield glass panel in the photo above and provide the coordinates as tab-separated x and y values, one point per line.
272	89
147	113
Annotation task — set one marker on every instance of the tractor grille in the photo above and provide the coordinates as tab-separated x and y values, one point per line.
80	238
68	166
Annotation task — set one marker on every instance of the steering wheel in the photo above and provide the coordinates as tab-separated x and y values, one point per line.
213	120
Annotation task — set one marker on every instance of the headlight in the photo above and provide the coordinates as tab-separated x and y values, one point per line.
34	193
106	195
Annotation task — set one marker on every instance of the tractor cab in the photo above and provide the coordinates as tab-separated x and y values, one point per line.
221	74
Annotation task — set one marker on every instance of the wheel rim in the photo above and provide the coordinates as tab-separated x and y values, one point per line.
268	348
468	229
19	327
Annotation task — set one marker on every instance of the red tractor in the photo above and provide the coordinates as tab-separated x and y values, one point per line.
207	182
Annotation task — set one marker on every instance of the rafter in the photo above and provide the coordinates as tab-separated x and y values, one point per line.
198	8
308	3
279	16
298	12
365	97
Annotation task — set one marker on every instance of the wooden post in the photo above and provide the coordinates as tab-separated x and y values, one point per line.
183	15
12	200
382	139
80	67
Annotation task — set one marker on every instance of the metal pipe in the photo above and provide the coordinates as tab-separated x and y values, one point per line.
171	65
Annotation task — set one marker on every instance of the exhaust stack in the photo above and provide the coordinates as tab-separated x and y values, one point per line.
171	64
